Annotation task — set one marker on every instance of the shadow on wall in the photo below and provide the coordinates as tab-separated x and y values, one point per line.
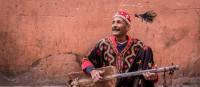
50	70
8	46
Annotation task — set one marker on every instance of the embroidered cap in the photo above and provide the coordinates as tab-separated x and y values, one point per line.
123	15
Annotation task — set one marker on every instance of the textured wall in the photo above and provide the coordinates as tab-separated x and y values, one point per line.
31	30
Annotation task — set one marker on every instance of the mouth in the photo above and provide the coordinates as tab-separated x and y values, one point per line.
116	31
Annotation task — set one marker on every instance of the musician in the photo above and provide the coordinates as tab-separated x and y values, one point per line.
121	50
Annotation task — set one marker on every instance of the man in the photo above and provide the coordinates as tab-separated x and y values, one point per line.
120	50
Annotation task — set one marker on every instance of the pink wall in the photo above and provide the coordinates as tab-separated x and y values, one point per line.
30	30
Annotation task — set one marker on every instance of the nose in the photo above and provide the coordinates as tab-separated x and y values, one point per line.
114	24
114	27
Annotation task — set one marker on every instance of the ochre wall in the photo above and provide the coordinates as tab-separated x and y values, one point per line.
31	30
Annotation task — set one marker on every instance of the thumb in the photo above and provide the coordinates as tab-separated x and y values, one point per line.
101	72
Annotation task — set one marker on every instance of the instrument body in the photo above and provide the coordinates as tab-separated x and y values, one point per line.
80	79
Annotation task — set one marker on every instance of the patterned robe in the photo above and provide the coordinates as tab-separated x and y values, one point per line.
135	56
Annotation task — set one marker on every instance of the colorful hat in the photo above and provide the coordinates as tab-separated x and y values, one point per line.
124	16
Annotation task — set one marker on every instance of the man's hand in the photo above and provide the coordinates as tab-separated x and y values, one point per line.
150	76
96	75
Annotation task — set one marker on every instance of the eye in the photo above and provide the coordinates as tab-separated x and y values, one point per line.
113	22
118	21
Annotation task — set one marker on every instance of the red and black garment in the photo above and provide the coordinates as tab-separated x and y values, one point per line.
130	57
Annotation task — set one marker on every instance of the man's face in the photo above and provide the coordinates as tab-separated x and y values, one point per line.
119	26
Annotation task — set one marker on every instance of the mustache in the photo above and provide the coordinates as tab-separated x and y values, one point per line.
115	29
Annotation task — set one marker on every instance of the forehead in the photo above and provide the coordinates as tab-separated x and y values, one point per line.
118	19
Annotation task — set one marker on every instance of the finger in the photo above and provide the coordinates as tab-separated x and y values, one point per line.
99	76
95	79
152	76
145	75
148	75
101	72
94	76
